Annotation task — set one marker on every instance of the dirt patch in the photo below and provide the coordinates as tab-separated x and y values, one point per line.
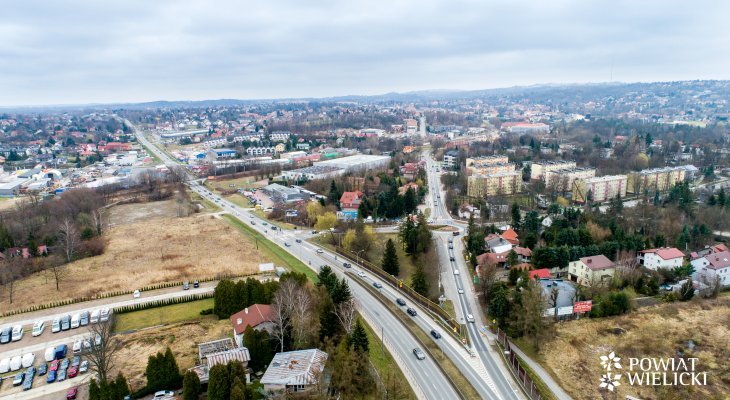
661	331
143	253
131	213
182	338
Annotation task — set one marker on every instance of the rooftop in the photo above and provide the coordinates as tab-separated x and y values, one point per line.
666	253
597	263
253	316
301	367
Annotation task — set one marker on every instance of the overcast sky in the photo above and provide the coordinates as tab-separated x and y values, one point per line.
70	52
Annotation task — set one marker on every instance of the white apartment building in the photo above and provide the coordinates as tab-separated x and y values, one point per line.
540	168
599	189
564	178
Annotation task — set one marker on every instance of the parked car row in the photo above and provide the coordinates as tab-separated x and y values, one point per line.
79	319
57	368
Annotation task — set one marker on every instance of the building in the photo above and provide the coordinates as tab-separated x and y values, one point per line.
260	151
411	126
505	183
592	271
656	179
451	159
349	203
257	316
220	154
540	168
294	371
563	179
477	162
713	267
312	173
219	352
525	127
666	257
599	189
359	162
491	169
283	194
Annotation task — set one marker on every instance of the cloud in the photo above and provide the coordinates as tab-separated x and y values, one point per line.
86	51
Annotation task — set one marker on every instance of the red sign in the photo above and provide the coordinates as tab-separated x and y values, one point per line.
582	306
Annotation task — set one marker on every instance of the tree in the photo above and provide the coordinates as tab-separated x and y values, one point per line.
345	312
687	291
219	384
69	238
102	352
418	280
390	262
191	386
498	305
516	216
334	194
259	347
512	258
314	210
162	372
410	201
530	315
281	306
358	339
326	221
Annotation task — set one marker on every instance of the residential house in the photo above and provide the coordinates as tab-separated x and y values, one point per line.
542	273
592	271
712	267
666	257
219	352
497	244
350	201
294	371
257	316
511	236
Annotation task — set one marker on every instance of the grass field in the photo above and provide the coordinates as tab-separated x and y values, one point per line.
146	252
653	332
207	204
282	225
233	184
271	250
163	315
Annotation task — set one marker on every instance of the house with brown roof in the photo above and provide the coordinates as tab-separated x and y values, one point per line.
664	257
592	271
257	316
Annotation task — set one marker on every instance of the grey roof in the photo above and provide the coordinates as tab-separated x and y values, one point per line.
301	367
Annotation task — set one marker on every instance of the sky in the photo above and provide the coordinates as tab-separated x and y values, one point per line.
80	52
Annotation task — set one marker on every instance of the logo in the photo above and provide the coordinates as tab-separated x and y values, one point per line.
610	380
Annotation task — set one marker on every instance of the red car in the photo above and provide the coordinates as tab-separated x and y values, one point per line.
71	394
54	365
73	371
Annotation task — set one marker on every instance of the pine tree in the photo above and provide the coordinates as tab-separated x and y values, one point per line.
329	325
327	278
358	338
121	388
410	201
191	386
687	291
516	216
390	262
219	385
418	280
174	379
721	198
238	390
512	258
94	390
341	292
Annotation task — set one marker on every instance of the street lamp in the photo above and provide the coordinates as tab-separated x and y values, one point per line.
357	256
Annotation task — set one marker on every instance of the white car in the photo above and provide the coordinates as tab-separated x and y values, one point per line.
461	291
50	354
320	251
94	316
17	333
136	294
456	271
163	394
15	363
104	315
56	325
38	328
77	347
28	359
4	365
360	274
75	321
470	318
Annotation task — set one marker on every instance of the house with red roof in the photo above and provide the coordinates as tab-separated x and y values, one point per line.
257	316
592	271
713	267
542	273
511	236
664	257
350	201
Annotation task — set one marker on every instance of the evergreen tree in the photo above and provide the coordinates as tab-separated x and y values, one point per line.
259	347
358	339
423	234
341	292
721	198
121	388
172	372
239	390
516	216
512	258
499	303
191	386
329	325
390	262
410	201
687	291
362	210
224	299
94	392
219	385
327	278
418	280
334	194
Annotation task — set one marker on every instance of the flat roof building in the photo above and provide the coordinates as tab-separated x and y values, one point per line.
283	194
504	183
540	168
356	162
599	189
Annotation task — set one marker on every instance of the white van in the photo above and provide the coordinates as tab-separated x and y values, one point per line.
94	316
38	328
77	346
56	325
104	316
50	354
28	359
470	318
4	365
15	363
75	321
456	271
17	333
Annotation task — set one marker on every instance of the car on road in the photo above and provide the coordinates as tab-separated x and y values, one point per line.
264	223
452	259
287	244
435	334
315	232
84	366
419	354
455	233
451	246
377	285
360	274
186	285
273	228
456	271
38	328
347	265
136	294
18	379
196	284
5	335
411	312
72	393
163	394
400	301
72	372
298	240
17	333
51	376
320	251
42	369
253	222
470	318
56	325
84	318
65	322
460	290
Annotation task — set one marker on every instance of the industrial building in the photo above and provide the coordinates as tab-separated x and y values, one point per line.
505	183
283	194
599	189
357	162
313	173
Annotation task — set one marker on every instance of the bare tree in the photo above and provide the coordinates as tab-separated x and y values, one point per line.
282	305
346	312
69	238
554	294
103	347
530	316
487	277
301	314
97	216
57	270
10	271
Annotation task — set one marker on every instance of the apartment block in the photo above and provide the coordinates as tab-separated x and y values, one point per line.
599	189
656	179
491	169
504	183
487	160
451	158
540	168
563	178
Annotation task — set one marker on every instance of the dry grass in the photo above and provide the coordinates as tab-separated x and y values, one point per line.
143	253
182	338
658	331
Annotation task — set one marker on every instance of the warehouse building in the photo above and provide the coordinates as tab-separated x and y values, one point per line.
357	162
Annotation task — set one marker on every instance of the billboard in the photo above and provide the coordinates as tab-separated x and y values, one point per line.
582	306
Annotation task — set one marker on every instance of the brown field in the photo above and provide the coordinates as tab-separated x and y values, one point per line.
658	331
182	338
144	252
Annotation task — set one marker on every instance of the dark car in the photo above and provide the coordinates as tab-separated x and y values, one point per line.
273	228
435	334
186	285
287	244
28	381
64	364
196	284
347	265
452	259
377	285
400	301
65	323
451	247
5	335
61	375
51	376
298	240
42	369
76	361
411	312
456	233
